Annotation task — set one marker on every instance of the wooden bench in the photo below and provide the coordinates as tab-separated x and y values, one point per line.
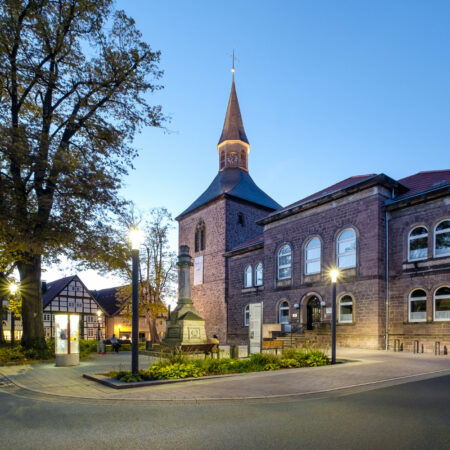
207	349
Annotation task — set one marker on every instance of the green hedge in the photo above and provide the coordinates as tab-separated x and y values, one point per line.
18	355
179	367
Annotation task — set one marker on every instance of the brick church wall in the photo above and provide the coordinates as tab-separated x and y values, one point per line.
428	274
209	297
237	233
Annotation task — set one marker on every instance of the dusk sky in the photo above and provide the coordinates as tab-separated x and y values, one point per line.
327	90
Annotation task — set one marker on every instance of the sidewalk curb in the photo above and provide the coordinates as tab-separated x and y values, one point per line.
297	395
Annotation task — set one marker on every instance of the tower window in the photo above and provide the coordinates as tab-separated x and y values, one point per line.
241	219
222	159
200	237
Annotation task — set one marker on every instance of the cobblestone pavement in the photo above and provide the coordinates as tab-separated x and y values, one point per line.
363	370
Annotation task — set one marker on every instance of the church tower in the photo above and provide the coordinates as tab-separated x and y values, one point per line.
223	217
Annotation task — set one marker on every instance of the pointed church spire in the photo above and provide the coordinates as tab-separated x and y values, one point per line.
233	127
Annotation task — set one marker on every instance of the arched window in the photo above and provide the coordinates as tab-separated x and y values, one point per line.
222	159
442	239
284	262
442	303
312	256
418	244
346	249
283	312
248	282
247	315
346	309
200	237
417	306
259	274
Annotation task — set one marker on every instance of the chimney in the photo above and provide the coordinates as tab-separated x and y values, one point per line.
44	286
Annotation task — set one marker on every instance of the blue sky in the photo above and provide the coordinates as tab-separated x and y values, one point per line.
327	90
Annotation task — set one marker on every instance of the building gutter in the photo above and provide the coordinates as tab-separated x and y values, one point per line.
387	281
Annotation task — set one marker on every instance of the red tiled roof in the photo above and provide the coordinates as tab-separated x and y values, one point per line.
255	240
424	181
333	188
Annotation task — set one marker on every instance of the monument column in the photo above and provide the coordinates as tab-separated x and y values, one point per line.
185	326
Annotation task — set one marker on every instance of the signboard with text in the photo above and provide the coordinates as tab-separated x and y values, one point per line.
198	270
255	327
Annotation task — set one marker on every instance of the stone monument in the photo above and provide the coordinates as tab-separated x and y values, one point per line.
185	326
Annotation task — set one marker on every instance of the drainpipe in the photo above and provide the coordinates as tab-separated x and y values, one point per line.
387	281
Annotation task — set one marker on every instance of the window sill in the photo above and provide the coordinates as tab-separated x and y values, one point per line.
252	289
345	323
284	283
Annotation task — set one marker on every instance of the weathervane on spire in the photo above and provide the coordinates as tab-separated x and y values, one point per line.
233	58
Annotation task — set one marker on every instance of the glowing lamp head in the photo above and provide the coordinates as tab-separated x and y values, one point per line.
99	313
334	275
136	238
13	288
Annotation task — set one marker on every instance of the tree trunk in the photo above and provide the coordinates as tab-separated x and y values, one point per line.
154	336
2	311
31	293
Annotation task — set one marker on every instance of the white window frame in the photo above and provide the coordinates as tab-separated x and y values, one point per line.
421	236
434	239
246	315
445	319
313	260
341	303
353	252
413	299
283	306
260	264
248	276
284	266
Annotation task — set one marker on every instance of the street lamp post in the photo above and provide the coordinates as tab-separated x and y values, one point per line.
334	274
136	239
99	333
13	288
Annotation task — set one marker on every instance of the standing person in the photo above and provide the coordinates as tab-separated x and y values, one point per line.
115	343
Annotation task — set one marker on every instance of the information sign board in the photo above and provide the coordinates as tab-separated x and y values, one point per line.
255	327
198	270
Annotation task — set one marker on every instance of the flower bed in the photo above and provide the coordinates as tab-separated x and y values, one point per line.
178	367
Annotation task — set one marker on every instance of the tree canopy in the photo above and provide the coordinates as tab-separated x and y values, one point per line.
74	79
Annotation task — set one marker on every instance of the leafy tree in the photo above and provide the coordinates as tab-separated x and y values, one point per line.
74	75
157	270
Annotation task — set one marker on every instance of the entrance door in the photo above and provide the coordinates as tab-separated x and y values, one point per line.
312	313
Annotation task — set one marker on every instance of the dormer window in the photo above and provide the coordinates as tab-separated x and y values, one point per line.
241	219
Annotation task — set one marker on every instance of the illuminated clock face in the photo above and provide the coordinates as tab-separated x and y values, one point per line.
232	159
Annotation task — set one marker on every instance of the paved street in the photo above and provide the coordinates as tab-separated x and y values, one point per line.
365	369
407	416
374	400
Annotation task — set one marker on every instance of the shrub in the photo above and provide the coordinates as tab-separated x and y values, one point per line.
19	355
177	366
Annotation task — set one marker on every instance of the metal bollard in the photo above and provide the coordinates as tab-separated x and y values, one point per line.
437	348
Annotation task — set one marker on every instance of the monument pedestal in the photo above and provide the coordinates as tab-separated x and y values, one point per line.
185	326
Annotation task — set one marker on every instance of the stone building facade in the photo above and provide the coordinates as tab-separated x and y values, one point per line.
389	238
